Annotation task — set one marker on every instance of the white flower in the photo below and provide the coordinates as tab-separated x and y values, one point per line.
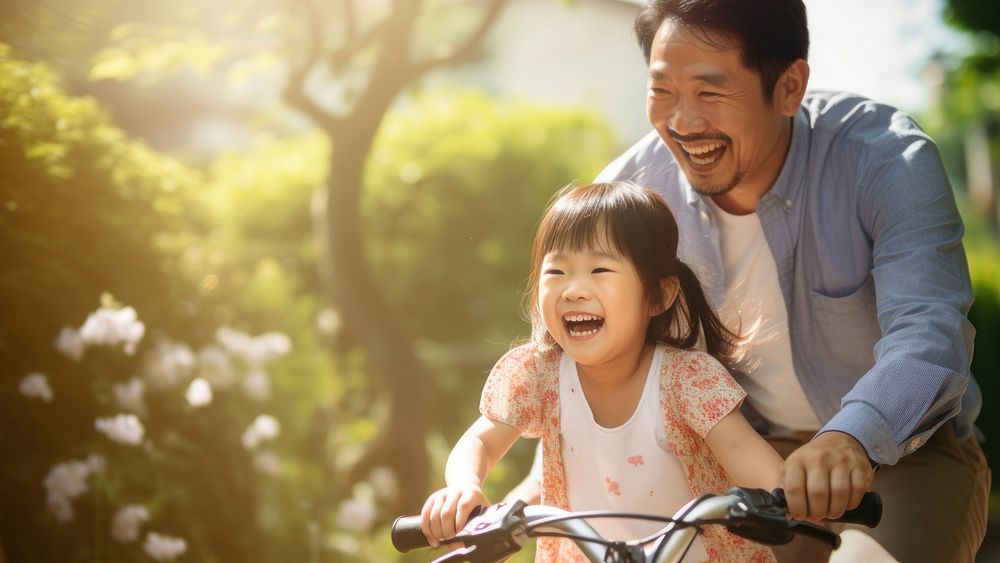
168	364
346	544
36	385
356	515
164	548
129	396
257	385
264	427
111	327
199	393
384	482
215	366
123	428
96	463
66	481
328	322
70	343
254	350
126	522
267	463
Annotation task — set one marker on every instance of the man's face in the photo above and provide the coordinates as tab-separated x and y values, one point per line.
710	111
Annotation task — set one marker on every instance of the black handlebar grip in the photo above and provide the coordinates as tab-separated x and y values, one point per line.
867	513
407	535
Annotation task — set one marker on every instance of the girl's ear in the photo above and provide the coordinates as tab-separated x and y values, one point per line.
668	293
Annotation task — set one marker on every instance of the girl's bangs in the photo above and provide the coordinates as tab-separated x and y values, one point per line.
578	227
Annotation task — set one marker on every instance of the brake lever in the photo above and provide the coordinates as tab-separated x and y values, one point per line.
457	555
760	517
495	534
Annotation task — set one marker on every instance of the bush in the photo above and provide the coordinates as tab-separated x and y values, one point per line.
195	411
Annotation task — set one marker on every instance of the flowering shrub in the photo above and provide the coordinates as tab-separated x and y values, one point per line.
168	368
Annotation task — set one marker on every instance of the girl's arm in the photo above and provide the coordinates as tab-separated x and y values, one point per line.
477	451
747	458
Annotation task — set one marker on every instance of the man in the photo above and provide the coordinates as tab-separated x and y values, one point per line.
824	225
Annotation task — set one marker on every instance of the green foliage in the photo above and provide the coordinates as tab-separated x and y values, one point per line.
984	265
975	15
88	210
457	183
82	209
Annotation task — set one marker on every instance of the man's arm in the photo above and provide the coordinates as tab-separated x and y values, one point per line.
921	369
923	293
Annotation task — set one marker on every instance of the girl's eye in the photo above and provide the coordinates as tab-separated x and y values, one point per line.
553	272
601	270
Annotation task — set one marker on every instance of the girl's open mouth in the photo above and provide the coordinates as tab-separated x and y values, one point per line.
582	324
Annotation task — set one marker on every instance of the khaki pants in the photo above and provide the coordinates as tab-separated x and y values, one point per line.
935	508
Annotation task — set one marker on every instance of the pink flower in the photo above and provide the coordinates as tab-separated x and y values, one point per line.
613	486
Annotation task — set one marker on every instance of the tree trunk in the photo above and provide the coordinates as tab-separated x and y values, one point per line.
390	355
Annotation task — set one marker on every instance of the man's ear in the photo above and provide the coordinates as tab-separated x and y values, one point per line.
668	293
791	87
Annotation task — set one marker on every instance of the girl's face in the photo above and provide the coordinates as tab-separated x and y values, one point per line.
593	305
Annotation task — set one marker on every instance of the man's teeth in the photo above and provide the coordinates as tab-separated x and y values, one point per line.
695	151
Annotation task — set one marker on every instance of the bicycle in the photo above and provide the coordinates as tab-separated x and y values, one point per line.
498	531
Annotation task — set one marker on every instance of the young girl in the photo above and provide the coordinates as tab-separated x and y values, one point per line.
631	417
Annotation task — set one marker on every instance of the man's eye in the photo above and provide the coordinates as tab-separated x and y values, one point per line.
553	272
659	91
710	95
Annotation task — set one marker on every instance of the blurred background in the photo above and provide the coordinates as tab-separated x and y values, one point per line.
257	257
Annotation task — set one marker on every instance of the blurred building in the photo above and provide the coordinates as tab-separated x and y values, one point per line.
580	53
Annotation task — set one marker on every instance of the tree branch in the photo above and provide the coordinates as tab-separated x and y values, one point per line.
353	42
464	50
294	92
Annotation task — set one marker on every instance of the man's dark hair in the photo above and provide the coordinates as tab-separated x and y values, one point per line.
771	34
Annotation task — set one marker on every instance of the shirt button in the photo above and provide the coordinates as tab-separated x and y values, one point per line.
788	204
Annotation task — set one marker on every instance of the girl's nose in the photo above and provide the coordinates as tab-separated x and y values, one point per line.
576	291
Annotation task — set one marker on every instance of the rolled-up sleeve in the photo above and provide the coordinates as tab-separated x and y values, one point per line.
923	294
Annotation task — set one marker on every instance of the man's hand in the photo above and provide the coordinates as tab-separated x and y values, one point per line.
825	477
447	510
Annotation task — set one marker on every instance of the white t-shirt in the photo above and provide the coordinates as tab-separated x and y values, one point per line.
753	302
625	469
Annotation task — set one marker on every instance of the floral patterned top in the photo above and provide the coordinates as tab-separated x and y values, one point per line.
696	392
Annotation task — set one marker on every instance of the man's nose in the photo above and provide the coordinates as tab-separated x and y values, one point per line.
686	119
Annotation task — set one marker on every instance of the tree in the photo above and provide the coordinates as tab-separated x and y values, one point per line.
365	58
390	353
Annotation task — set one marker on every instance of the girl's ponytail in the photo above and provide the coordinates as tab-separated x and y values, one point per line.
692	316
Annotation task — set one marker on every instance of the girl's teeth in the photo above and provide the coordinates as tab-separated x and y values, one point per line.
584	333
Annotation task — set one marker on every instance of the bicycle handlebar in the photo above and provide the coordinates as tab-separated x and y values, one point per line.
752	513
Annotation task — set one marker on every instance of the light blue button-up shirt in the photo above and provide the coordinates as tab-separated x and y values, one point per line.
867	240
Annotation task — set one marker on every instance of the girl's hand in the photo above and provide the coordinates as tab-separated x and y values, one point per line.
447	511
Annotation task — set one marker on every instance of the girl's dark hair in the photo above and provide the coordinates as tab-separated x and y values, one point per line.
770	34
640	226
